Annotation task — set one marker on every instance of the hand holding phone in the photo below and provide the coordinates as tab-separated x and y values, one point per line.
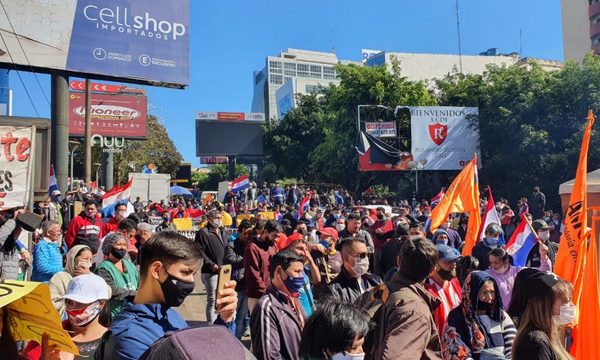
224	277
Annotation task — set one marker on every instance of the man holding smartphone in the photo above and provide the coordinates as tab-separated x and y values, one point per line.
169	263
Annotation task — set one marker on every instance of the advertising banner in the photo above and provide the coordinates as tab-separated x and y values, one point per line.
128	39
381	129
15	169
230	116
444	136
122	116
210	160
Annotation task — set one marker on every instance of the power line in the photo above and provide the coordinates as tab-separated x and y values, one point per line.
24	53
19	74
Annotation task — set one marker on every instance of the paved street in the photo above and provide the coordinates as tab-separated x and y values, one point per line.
193	308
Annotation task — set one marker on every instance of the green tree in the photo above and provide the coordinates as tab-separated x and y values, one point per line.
157	149
220	172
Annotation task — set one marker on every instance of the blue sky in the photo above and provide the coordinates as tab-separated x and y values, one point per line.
230	40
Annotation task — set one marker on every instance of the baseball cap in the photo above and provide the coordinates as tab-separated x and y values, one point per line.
86	289
447	254
55	193
329	231
540	224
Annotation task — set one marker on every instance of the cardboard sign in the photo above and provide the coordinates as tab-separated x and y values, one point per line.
31	314
183	224
241	217
267	215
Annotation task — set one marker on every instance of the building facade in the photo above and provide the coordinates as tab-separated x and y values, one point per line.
581	28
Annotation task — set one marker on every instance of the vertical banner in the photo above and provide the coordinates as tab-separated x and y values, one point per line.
15	167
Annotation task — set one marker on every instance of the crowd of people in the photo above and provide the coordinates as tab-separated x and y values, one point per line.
315	275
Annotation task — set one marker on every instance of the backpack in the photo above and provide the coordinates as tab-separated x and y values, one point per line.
373	302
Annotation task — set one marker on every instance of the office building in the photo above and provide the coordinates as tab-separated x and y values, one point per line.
581	27
304	70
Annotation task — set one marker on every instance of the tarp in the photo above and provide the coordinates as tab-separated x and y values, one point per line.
593	184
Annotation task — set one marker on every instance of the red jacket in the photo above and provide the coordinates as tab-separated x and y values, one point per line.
257	257
85	231
110	226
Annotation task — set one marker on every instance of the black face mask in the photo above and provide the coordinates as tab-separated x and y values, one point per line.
175	290
485	306
445	274
118	253
93	267
379	217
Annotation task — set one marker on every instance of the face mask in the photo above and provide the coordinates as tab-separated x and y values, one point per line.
340	227
414	237
485	306
294	284
439	241
361	266
216	223
445	274
121	214
567	314
546	218
379	217
502	270
336	216
85	264
84	316
544	235
346	356
118	253
325	244
175	290
491	242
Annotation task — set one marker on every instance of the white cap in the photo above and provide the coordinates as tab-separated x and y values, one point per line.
87	288
55	192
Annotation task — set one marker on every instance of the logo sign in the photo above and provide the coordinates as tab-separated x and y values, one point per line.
438	133
444	136
381	129
105	88
127	39
15	169
230	116
109	144
210	160
111	115
368	53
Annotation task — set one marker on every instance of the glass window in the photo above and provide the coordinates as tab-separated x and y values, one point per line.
289	66
303	70
276	79
275	64
289	72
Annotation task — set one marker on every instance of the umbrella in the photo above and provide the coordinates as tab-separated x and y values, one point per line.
178	191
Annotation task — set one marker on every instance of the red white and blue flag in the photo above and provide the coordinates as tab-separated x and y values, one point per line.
521	242
436	199
114	197
52	181
490	216
303	207
240	184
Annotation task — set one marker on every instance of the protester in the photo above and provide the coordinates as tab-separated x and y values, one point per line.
479	328
78	262
86	228
547	305
409	330
502	270
464	266
11	247
169	263
444	285
212	241
352	229
542	247
311	275
518	299
257	257
354	278
380	231
346	327
390	251
47	259
482	249
119	214
119	273
278	318
144	233
537	203
85	299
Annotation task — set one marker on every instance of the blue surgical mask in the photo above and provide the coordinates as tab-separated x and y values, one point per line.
294	284
324	243
491	242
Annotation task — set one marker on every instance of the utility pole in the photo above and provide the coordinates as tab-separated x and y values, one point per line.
88	134
60	128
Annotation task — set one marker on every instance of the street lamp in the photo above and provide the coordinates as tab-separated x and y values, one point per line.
97	168
73	145
415	166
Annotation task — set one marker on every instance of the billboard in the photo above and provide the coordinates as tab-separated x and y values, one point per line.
123	116
15	166
127	39
381	129
223	138
230	116
444	136
366	54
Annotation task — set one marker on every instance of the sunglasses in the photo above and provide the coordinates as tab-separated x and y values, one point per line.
362	255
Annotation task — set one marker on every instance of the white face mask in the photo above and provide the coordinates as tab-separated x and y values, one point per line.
361	266
346	356
340	227
544	235
216	223
567	314
414	237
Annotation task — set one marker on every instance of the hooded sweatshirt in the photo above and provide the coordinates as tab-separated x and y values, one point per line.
84	230
60	281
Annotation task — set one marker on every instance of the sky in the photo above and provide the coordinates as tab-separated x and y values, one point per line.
230	39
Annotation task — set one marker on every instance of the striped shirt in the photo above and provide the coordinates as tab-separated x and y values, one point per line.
450	295
506	329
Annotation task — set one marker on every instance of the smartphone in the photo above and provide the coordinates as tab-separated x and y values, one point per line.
224	277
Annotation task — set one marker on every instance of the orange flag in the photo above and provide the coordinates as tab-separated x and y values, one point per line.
576	216
461	196
587	346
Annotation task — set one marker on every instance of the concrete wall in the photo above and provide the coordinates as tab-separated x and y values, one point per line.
576	29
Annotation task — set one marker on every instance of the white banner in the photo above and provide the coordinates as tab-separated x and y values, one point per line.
381	129
15	169
443	136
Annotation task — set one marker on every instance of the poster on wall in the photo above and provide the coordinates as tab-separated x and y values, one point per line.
443	137
15	166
